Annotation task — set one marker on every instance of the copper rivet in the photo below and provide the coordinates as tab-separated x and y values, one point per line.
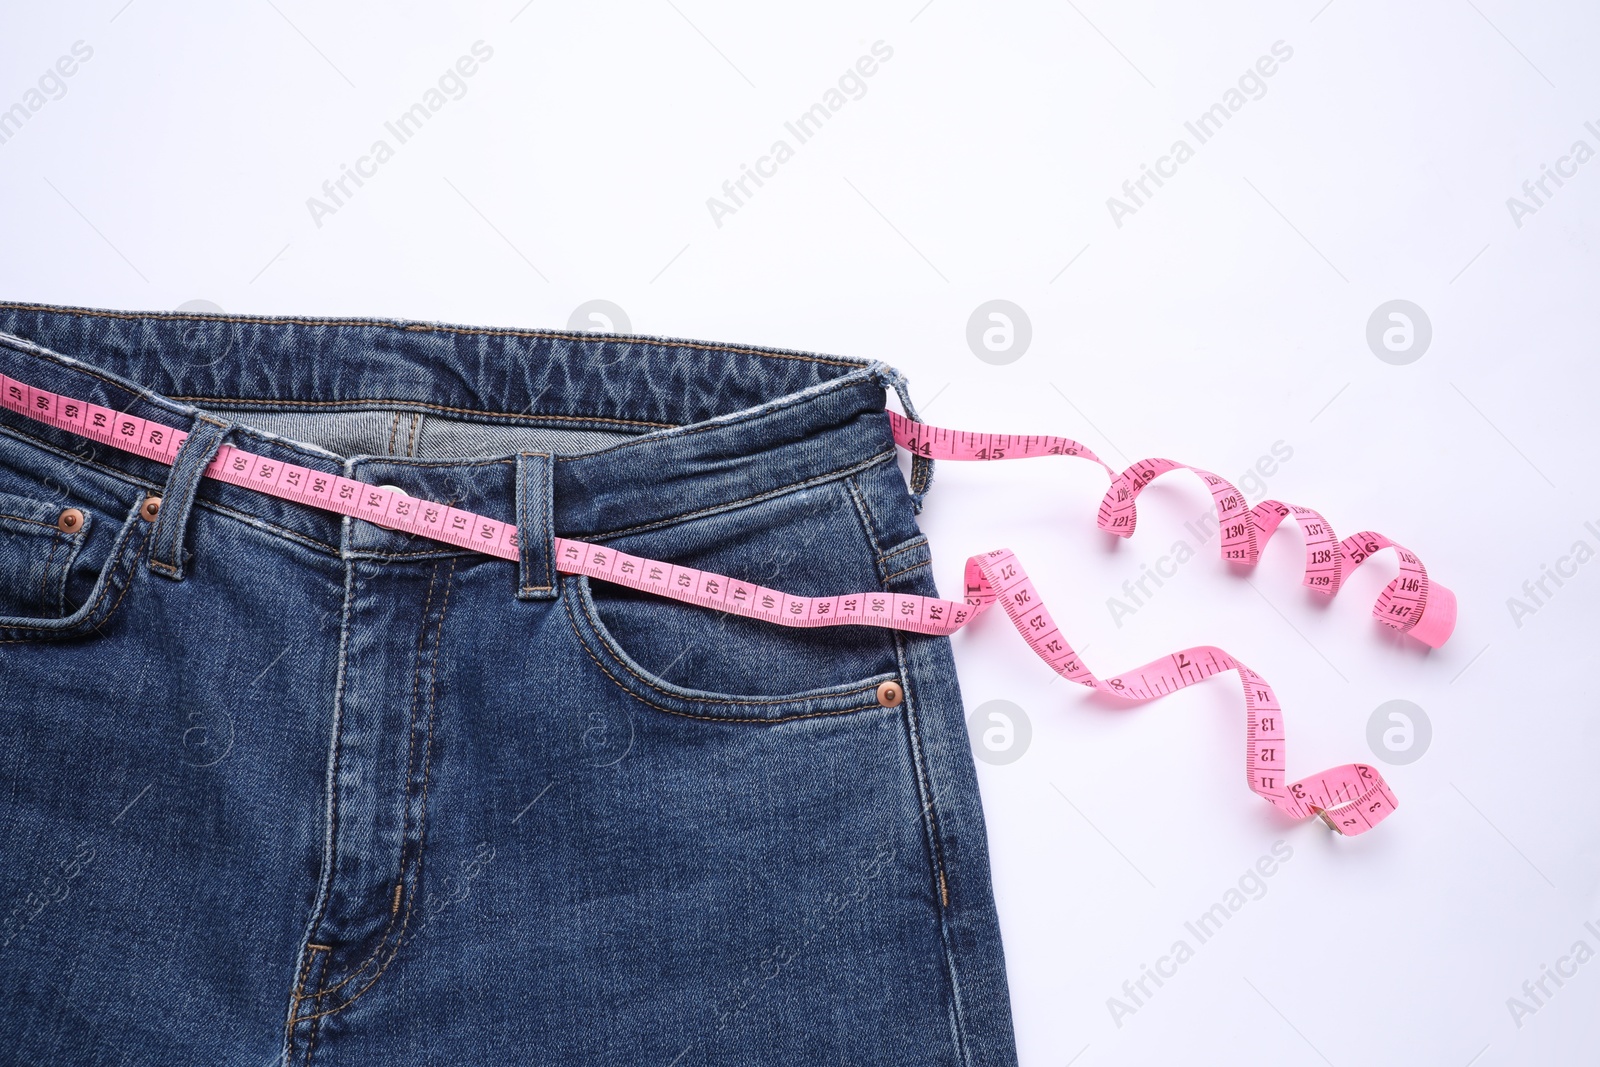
70	521
889	694
150	508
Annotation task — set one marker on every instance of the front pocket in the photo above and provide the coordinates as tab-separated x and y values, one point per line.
809	542
106	562
625	671
39	540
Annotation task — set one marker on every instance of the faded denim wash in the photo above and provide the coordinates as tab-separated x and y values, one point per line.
283	787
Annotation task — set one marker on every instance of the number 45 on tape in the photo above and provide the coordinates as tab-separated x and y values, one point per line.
1351	798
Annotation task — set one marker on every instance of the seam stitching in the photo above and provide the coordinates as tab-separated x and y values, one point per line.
155	400
547	536
385	403
422	819
129	563
335	759
600	629
44	578
906	570
47	525
405	825
864	514
911	719
719	422
255	520
537	491
129	478
843	472
687	715
186	489
915	542
419	327
296	997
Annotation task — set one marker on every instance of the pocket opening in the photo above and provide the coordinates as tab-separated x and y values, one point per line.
113	571
859	695
37	551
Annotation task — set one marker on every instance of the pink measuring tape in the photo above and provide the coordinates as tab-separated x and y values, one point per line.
1351	798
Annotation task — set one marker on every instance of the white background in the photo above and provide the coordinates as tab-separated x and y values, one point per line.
1227	314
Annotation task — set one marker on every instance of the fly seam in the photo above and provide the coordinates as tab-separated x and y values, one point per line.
411	734
422	820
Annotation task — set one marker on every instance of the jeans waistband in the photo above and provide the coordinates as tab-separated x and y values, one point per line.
644	430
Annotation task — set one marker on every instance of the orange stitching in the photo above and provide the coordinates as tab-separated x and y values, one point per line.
915	542
154	399
390	402
817	480
85	625
311	1043
316	1028
305	971
336	753
711	424
864	514
405	826
44	579
686	715
433	686
35	522
906	570
132	566
129	478
132	391
186	490
716	423
353	975
716	509
911	718
334	549
418	327
393	429
294	1000
925	784
545	491
601	631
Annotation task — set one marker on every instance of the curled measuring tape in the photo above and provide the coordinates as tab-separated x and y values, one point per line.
1351	798
1411	603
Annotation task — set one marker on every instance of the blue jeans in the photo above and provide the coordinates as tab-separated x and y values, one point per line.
283	787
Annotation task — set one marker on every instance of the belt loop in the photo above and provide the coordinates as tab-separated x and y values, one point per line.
921	466
167	552
536	568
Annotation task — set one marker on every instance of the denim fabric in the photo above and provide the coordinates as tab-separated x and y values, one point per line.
283	787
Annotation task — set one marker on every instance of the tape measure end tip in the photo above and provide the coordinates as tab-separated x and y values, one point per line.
1438	620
